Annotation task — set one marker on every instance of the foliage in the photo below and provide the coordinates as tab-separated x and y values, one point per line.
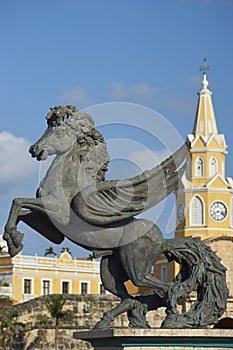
5	301
49	251
66	249
2	248
42	318
9	328
91	257
5	284
55	308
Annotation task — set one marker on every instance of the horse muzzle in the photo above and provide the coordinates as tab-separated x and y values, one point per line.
38	153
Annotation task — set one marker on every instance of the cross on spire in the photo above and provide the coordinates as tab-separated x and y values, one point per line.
204	68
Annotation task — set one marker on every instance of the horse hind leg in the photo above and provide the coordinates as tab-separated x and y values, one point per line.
113	278
138	257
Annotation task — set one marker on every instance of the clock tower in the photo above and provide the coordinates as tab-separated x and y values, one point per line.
204	202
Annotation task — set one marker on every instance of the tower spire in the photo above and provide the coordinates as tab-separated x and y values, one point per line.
205	123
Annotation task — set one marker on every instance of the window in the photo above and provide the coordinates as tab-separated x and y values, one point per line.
102	289
45	287
27	286
65	287
199	169
213	166
164	274
84	288
197	211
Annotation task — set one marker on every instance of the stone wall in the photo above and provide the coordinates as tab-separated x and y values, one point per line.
223	247
87	310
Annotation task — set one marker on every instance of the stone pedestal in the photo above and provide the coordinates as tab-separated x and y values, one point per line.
159	339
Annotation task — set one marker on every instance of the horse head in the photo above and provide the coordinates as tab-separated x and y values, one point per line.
68	126
57	139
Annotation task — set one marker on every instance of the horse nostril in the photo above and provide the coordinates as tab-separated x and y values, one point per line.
33	149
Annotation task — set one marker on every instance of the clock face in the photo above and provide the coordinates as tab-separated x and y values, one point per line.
218	211
180	212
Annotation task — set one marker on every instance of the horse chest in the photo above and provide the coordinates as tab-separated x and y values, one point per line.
52	182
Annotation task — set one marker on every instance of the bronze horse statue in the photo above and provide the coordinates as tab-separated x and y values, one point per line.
75	201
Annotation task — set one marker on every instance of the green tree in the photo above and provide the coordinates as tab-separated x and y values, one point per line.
49	251
91	257
55	308
2	248
4	301
9	328
66	249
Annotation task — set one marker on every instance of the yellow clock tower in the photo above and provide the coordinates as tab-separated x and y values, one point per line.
204	202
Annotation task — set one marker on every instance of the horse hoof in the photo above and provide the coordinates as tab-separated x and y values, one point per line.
15	236
17	239
13	251
102	324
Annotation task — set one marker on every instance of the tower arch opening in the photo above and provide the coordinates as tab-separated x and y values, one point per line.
197	211
213	166
199	167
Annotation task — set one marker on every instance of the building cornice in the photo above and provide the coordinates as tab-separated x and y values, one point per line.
208	150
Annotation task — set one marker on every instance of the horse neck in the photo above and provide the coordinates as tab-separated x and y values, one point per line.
55	169
70	171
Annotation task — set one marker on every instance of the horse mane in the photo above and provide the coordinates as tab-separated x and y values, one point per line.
91	147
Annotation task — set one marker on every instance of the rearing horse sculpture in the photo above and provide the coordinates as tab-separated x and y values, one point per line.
76	202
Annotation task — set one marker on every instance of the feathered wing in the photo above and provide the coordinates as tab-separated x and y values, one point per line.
111	201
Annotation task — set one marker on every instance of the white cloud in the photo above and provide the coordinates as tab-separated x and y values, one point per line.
142	91
146	159
163	98
16	164
76	96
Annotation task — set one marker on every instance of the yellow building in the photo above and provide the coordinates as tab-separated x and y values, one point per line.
204	202
26	277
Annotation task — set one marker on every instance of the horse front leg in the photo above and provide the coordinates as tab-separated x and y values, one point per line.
12	235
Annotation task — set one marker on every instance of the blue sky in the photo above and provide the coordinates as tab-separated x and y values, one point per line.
93	52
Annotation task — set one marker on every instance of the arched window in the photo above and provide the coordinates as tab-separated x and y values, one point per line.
164	274
199	169
196	211
213	166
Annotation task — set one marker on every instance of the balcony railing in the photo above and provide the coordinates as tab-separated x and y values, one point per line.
6	291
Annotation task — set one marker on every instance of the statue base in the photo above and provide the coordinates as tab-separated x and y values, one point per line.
155	338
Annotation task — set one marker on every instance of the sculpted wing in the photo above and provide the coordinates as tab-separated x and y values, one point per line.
111	201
